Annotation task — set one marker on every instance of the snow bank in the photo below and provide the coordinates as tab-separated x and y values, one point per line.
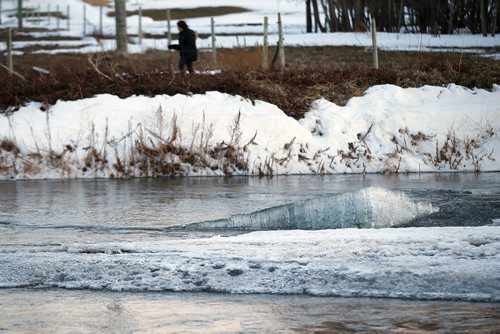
389	129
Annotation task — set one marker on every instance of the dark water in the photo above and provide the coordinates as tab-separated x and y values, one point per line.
463	199
83	221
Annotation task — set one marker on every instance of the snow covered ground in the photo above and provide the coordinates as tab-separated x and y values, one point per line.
227	27
389	129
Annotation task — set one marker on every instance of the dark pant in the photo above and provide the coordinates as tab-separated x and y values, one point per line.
183	63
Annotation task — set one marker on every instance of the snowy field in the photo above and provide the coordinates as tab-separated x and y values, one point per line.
228	27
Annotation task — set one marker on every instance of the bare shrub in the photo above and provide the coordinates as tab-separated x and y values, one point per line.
96	157
473	147
357	152
392	163
231	155
453	151
449	152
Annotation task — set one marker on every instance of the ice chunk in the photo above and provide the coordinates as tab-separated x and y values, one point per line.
366	208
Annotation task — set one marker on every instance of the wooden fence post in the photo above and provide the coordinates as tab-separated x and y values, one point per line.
20	14
121	34
374	43
100	19
214	49
169	29
84	20
58	19
38	14
265	47
10	63
68	18
139	33
281	46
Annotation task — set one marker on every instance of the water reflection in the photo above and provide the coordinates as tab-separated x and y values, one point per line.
49	311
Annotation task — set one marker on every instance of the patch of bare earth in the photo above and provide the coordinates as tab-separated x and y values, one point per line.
186	13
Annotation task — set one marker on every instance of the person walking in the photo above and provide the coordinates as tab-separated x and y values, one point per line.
186	47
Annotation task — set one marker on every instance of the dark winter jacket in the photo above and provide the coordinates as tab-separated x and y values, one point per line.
186	46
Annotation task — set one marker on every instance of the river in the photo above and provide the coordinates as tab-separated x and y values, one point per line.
415	253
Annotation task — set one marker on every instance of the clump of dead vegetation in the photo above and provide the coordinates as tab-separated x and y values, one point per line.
455	150
452	152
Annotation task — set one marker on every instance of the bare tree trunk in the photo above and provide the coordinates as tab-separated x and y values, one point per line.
482	8
400	15
494	21
333	16
346	24
317	19
357	15
20	14
308	16
388	22
434	18
452	6
328	21
121	27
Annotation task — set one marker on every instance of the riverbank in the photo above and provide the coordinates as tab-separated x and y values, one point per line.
387	130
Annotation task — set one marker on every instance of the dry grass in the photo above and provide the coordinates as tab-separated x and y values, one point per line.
453	151
292	89
9	146
241	59
143	151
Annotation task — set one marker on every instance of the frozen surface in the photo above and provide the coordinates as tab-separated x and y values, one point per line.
460	263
